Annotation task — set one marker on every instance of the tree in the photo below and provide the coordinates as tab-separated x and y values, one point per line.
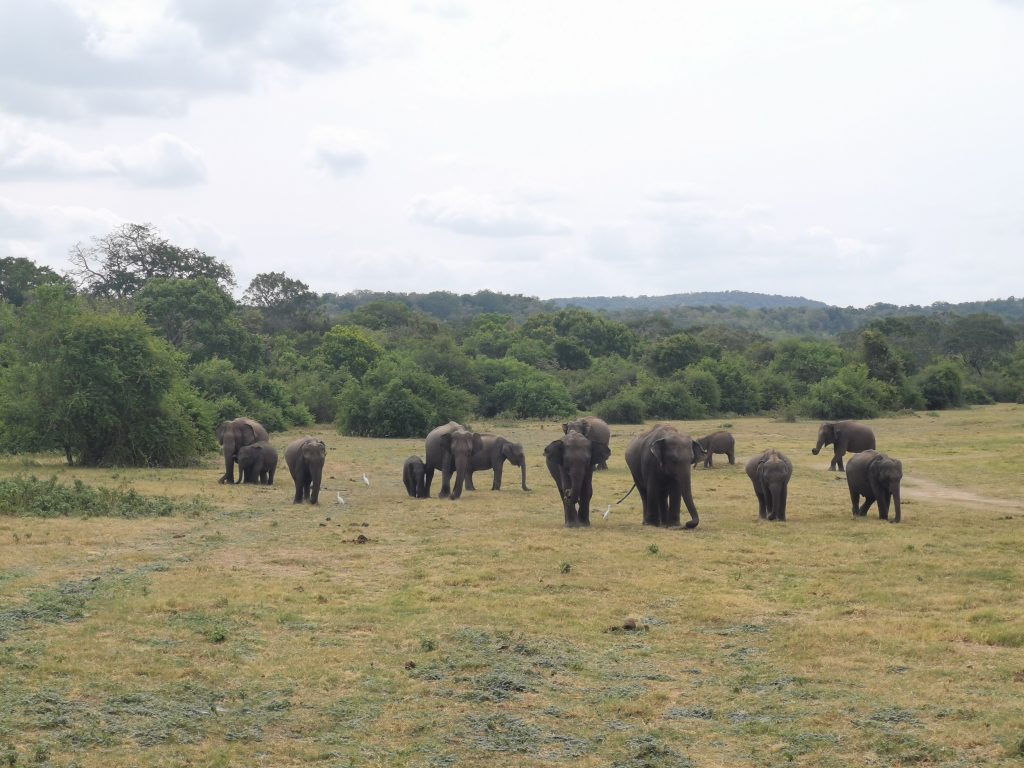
942	384
883	361
348	347
806	362
199	318
980	340
102	388
283	303
19	276
674	353
118	264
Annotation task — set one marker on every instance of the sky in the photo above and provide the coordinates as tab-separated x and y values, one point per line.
848	151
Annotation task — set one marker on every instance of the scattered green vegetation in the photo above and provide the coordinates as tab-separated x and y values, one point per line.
30	497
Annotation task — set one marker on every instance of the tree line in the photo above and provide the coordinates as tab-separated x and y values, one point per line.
140	349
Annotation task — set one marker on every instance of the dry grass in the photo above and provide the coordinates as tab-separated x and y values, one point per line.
481	632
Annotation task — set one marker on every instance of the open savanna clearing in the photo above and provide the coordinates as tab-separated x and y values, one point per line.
391	631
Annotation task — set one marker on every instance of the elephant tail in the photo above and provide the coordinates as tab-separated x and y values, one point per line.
627	494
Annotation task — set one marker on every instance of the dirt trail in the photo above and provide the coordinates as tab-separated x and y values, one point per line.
923	489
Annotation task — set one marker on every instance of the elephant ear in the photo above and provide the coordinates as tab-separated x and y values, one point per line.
554	452
222	429
657	449
565	429
585	428
478	443
599	453
506	448
322	447
446	443
248	432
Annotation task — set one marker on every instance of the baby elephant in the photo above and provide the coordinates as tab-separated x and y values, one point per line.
414	475
257	463
716	442
305	458
876	477
770	473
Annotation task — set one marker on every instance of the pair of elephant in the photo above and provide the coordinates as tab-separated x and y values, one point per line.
870	474
660	460
246	443
453	449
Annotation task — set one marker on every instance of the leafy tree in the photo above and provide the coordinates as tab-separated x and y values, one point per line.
942	385
108	393
199	318
533	352
606	377
283	303
511	387
594	333
233	393
118	264
806	362
675	353
348	347
702	384
850	394
571	355
883	361
19	276
738	387
490	335
623	408
980	340
668	399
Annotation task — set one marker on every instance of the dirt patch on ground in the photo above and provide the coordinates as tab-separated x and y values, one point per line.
923	489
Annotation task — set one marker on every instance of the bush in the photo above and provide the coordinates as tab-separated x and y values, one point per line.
668	400
606	377
348	347
851	394
942	385
703	385
514	388
624	408
254	394
739	390
29	497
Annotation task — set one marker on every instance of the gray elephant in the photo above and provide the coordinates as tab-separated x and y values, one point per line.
843	436
305	458
876	477
716	442
496	450
233	435
594	429
449	449
571	461
770	473
661	461
414	475
257	463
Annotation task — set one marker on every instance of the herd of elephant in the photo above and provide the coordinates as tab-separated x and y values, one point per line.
660	461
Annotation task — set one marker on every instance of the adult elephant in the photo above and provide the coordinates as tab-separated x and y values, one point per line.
305	458
770	473
495	451
449	449
843	436
660	461
233	435
571	461
716	442
594	429
876	477
257	463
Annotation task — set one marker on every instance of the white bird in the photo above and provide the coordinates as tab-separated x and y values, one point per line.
607	511
366	479
340	500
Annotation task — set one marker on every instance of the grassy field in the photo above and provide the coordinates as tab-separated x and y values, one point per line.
390	631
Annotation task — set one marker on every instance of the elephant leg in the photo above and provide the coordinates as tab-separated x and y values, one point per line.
732	457
883	507
572	519
298	490
469	481
855	500
762	507
780	504
586	493
496	484
650	510
868	501
708	462
428	478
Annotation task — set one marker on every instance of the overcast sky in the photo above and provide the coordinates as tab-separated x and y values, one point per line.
847	151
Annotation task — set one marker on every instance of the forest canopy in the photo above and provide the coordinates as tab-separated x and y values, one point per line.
135	354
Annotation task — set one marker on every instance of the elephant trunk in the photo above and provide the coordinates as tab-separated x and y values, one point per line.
522	468
229	463
461	472
896	504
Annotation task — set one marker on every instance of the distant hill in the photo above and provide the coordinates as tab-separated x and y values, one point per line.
701	299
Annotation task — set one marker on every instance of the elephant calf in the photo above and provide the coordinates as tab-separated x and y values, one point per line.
843	436
594	429
257	463
414	475
716	442
770	473
571	462
876	477
305	458
493	454
660	461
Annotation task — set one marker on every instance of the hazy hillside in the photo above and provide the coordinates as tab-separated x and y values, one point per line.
700	299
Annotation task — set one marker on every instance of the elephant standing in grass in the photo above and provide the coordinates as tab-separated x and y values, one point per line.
496	449
843	436
594	429
233	435
414	475
660	461
305	458
257	463
717	442
770	472
876	477
571	462
449	449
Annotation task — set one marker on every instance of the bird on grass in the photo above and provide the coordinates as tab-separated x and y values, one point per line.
607	512
340	500
366	479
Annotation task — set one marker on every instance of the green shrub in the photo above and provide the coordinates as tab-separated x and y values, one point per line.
851	394
703	385
668	399
30	497
942	384
624	408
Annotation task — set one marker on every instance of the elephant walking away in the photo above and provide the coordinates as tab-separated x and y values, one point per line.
716	442
571	461
414	475
496	450
233	435
843	436
305	458
661	461
594	429
770	472
449	449
257	463
876	477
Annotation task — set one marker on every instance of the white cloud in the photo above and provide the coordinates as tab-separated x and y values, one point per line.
162	160
469	214
45	233
337	151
